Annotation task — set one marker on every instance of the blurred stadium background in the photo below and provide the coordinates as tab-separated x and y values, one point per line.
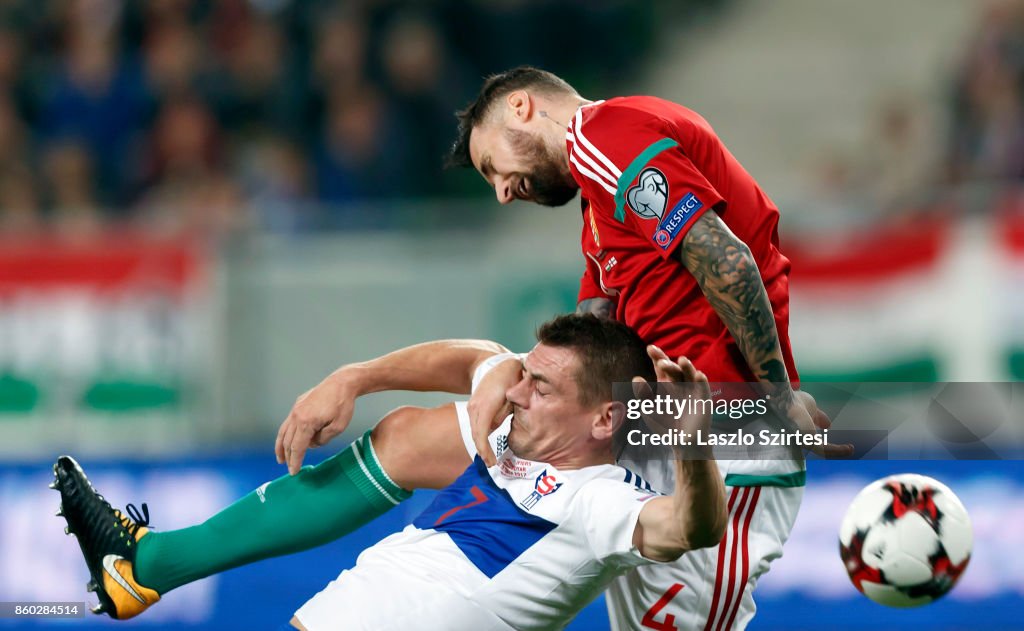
206	206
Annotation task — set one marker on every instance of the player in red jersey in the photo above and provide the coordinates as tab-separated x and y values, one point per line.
679	241
681	244
676	177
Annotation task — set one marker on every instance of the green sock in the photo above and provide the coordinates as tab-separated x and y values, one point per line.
293	513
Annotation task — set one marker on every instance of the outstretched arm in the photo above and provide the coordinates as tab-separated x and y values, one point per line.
695	515
442	366
325	411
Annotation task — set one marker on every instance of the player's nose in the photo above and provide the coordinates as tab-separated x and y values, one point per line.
503	191
516	394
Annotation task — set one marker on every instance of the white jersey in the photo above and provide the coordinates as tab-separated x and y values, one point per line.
521	545
710	589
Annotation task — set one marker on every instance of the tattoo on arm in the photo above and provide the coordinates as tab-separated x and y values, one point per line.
727	273
601	307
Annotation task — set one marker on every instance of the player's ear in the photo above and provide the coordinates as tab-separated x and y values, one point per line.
520	104
612	416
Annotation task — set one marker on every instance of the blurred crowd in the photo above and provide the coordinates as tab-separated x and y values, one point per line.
916	158
987	115
218	114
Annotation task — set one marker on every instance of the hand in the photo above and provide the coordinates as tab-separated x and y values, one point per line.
488	406
317	417
818	416
681	380
805	414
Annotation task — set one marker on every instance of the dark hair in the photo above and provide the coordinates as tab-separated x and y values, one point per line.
495	87
609	352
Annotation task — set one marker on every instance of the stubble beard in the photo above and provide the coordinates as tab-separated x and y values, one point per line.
550	182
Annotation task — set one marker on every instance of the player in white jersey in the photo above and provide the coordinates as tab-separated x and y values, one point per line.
710	589
522	545
717	581
526	543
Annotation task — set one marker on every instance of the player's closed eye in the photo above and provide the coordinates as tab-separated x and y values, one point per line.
536	384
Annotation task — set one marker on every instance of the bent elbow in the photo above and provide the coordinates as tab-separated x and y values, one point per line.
711	533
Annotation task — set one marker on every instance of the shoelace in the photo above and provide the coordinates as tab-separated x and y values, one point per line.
139	519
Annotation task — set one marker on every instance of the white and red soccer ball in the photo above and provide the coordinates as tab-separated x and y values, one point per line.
905	540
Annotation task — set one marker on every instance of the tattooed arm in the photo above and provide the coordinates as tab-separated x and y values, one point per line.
727	273
601	307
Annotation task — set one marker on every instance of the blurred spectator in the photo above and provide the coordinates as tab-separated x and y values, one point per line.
987	136
832	187
188	189
360	155
19	206
172	57
415	67
99	98
69	180
10	57
163	11
254	86
339	53
19	203
13	136
901	156
276	181
184	140
338	63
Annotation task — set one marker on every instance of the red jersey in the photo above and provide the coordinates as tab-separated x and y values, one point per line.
648	168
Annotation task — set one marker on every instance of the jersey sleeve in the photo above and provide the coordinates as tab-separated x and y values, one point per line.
638	168
488	364
590	283
610	510
589	287
665	198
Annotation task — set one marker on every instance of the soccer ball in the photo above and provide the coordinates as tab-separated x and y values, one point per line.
905	540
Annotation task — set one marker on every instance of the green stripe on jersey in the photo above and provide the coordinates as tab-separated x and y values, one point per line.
634	169
797	478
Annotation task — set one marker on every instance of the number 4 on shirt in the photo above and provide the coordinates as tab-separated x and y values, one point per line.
669	623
